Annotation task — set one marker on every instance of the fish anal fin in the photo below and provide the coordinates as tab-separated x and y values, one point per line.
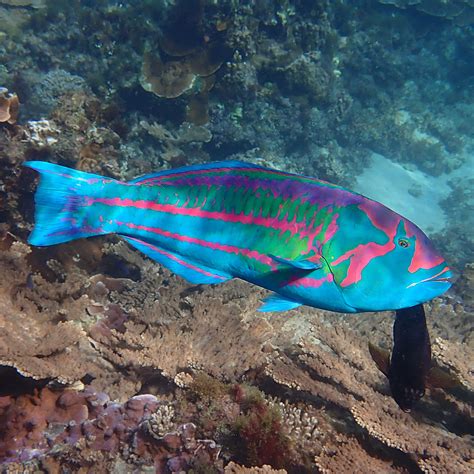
184	267
440	378
381	357
276	302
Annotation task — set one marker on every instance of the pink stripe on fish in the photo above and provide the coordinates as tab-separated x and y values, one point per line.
332	229
363	254
253	254
360	258
308	282
424	258
387	221
270	222
176	259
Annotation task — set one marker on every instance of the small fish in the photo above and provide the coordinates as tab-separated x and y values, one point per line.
310	242
408	369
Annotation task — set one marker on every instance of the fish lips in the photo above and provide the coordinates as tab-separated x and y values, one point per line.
427	288
445	276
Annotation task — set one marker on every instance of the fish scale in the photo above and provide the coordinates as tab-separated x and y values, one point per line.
309	241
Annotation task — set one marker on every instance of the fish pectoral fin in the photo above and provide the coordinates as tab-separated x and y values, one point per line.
381	357
440	378
184	267
308	264
276	302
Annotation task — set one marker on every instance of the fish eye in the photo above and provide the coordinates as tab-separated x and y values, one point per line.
403	243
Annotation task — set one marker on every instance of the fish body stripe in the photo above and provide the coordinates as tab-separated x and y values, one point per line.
250	222
305	214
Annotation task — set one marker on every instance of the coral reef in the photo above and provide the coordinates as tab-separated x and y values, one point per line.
129	327
124	366
185	141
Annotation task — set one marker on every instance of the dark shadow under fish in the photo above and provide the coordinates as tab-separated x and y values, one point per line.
409	369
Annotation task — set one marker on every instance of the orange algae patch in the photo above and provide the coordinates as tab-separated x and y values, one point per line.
9	107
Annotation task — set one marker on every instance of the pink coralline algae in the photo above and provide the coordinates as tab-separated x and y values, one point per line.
51	424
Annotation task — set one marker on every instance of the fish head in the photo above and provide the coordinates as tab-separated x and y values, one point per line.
381	261
428	275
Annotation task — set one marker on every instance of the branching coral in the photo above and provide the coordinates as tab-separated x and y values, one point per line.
41	133
308	372
179	144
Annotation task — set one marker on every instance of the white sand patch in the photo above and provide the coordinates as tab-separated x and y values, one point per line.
410	192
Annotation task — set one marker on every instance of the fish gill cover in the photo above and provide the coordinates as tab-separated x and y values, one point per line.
107	356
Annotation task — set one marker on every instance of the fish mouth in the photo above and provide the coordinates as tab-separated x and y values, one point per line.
444	276
446	280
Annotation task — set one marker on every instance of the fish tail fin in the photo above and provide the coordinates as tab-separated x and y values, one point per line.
62	210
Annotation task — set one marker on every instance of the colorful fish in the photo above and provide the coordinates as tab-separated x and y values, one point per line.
309	241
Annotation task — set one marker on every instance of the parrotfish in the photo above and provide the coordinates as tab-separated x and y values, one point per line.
308	241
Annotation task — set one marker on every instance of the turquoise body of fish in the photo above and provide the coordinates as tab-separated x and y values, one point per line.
308	241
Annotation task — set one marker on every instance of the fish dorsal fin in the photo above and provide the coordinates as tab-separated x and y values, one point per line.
184	267
308	264
276	302
185	169
381	357
439	378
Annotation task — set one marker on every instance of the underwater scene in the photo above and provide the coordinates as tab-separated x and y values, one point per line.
237	236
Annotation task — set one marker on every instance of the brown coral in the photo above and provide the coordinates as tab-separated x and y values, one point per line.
309	371
189	53
169	80
9	106
173	78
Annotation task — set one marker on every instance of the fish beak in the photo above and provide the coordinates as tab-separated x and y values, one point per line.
444	276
